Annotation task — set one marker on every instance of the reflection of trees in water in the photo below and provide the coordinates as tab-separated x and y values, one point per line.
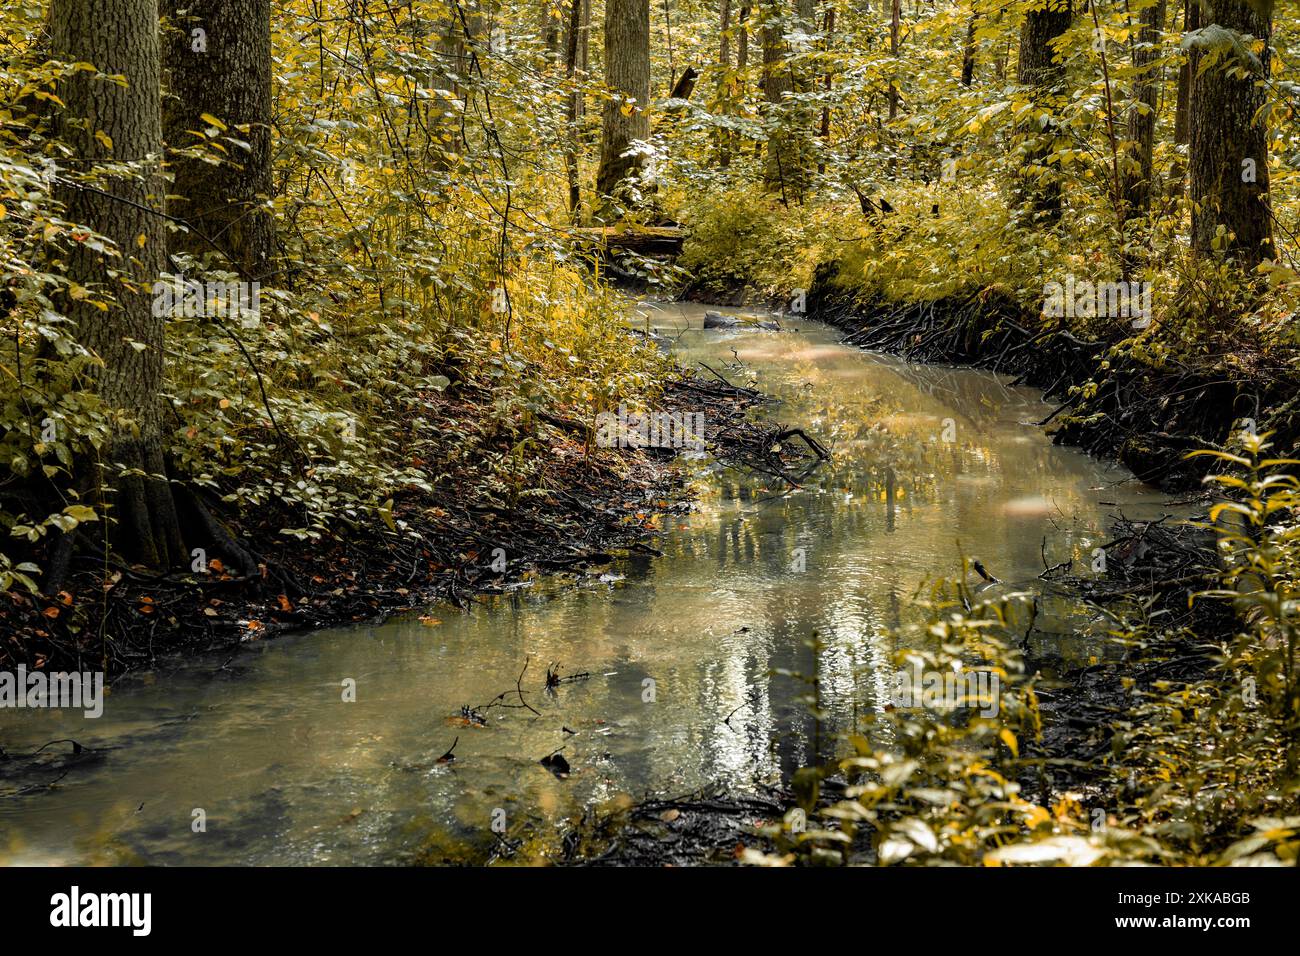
883	516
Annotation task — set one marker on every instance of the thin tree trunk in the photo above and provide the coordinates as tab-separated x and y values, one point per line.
827	85
123	124
445	53
1142	118
742	41
1229	156
968	51
218	61
551	17
1182	115
584	54
724	82
895	11
575	97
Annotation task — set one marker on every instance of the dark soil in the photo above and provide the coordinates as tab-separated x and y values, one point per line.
711	828
1151	569
592	502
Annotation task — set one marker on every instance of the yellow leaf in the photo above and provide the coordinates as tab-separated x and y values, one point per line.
105	140
212	121
141	239
1009	739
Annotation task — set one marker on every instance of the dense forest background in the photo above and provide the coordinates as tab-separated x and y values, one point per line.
408	185
276	277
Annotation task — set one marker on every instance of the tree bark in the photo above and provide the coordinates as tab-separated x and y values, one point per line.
895	12
225	71
827	84
968	50
1229	148
724	83
1182	112
626	118
1043	71
786	169
123	124
575	99
1142	118
584	53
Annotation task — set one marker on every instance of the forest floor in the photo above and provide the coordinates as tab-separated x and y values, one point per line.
441	545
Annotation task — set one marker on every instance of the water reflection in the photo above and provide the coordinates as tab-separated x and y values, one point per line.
689	655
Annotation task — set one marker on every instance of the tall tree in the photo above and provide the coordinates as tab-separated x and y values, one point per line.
790	124
584	53
895	12
1183	110
724	81
572	44
627	74
1043	71
1229	148
104	121
827	83
218	61
1137	178
968	49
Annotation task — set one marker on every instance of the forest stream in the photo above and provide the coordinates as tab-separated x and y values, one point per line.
687	657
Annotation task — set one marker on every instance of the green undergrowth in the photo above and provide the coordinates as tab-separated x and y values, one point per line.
1200	772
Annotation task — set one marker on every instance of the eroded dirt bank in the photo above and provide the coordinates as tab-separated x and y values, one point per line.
459	540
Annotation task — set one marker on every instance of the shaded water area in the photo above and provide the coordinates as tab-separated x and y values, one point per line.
929	463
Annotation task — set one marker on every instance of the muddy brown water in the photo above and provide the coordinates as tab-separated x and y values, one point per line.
284	771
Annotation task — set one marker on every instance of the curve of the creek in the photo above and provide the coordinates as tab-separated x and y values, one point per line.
286	772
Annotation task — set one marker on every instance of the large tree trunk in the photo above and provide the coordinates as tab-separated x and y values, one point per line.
226	75
1229	148
123	125
1043	71
626	118
786	169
